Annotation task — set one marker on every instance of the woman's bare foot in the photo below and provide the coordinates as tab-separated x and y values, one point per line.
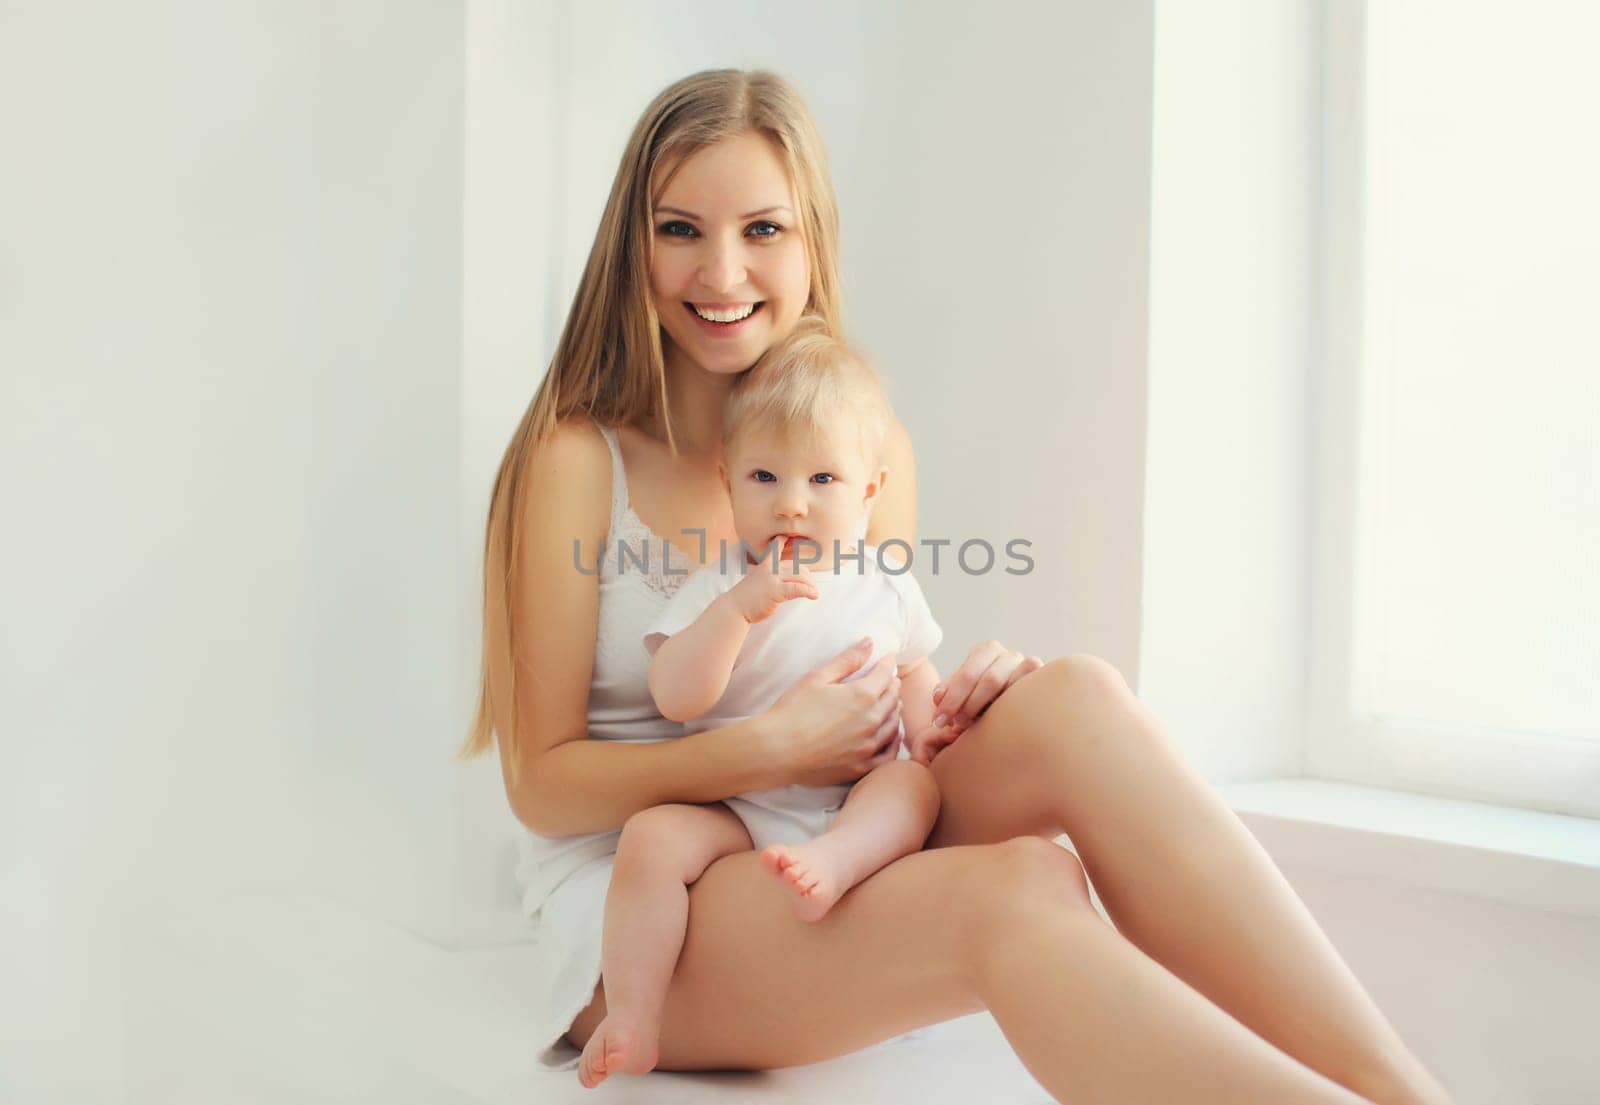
811	873
617	1047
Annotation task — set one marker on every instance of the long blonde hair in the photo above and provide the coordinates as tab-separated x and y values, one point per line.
608	363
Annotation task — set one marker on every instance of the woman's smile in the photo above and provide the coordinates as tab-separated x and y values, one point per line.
728	250
724	321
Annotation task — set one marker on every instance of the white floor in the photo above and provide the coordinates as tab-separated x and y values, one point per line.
274	1002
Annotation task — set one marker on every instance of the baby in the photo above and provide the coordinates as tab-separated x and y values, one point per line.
802	461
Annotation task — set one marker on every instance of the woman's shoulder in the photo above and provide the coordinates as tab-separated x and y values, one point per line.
575	450
894	512
897	440
576	439
568	476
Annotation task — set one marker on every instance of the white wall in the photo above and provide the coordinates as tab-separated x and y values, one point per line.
1234	194
229	330
996	261
1497	1000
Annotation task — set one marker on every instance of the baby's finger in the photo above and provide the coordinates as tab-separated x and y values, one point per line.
927	746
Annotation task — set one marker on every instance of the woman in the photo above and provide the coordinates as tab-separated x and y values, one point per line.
1216	984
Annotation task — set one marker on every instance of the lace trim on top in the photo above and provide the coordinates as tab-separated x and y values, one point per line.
633	549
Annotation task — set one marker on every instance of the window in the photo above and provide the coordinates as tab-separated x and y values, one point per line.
1457	622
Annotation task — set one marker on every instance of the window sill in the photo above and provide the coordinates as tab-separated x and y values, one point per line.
1522	857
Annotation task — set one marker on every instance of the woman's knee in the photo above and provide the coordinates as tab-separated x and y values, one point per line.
1072	700
1028	879
1084	677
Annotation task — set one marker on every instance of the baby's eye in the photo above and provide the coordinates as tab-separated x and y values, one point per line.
763	476
766	229
823	477
676	229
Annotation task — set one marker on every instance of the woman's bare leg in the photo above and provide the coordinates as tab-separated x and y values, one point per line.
662	850
943	933
1070	748
888	814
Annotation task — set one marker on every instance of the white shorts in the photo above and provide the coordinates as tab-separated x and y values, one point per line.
787	815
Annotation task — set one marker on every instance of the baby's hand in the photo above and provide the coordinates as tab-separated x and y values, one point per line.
759	594
925	744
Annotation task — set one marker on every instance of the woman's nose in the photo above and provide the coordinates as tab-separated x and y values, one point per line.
722	268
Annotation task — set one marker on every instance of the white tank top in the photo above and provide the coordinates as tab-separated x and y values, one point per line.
620	706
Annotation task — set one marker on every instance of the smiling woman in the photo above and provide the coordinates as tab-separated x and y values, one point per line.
727	280
719	236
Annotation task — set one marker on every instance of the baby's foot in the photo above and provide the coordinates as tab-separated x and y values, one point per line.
616	1047
811	873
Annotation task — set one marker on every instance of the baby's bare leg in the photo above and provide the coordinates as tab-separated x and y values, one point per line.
663	850
888	814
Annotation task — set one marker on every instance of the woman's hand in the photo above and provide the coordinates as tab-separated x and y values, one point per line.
829	732
972	688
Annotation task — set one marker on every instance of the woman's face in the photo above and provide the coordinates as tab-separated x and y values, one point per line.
727	244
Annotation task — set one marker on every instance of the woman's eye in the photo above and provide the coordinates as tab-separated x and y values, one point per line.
765	229
676	229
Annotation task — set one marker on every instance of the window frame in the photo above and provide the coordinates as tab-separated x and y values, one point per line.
1345	740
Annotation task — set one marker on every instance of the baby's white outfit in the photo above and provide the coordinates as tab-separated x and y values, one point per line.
564	879
865	597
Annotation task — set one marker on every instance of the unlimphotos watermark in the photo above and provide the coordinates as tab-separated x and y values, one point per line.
974	556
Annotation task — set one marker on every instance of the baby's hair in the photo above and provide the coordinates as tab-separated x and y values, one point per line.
811	382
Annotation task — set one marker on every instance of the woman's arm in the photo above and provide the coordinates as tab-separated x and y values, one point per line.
589	786
822	731
566	783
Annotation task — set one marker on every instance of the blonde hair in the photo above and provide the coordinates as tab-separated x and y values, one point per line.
810	382
608	363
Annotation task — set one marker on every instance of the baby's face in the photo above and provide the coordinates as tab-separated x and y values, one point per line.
802	486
